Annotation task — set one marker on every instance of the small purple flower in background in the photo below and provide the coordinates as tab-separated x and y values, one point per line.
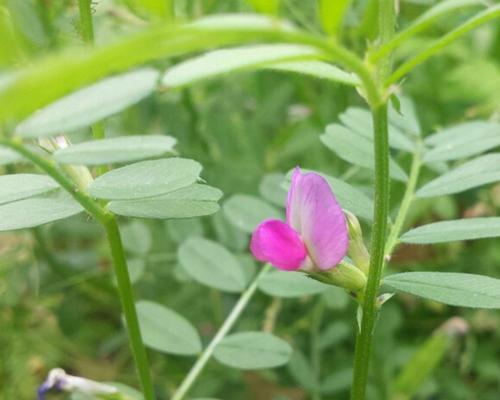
315	234
59	380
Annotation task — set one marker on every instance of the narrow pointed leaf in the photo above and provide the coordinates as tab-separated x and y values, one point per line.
21	186
146	179
88	105
220	62
456	289
191	201
450	231
317	69
116	150
253	350
463	141
211	264
474	173
167	331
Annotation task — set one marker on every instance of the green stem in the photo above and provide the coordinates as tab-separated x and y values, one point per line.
128	304
119	262
87	34
481	18
381	212
221	333
86	27
420	24
382	181
408	198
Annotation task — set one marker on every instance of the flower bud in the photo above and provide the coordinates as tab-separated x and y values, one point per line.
78	173
357	250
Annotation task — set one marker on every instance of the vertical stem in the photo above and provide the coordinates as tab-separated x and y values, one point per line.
86	27
382	187
408	197
223	330
128	305
364	337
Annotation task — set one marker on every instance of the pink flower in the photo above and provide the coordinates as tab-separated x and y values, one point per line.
315	233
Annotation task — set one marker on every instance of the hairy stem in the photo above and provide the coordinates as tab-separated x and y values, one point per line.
86	27
221	333
381	212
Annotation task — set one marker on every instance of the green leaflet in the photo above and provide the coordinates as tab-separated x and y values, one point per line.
165	330
212	265
91	104
449	231
21	186
191	201
456	289
116	150
146	179
474	173
253	350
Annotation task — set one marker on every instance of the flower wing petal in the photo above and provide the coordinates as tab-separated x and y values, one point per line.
277	243
313	211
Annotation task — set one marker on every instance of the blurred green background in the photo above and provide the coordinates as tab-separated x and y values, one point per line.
58	305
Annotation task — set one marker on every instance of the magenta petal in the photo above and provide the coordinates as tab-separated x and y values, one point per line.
313	211
275	242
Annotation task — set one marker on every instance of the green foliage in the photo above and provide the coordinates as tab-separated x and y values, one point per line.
91	104
253	350
449	231
190	201
456	289
115	150
167	331
146	179
211	264
236	97
290	284
246	212
36	211
21	186
477	172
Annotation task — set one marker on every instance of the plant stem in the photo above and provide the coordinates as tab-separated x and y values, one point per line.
364	337
408	197
221	333
87	34
128	305
481	18
86	27
421	23
381	212
50	168
119	262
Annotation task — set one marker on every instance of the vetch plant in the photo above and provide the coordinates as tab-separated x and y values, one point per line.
317	244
